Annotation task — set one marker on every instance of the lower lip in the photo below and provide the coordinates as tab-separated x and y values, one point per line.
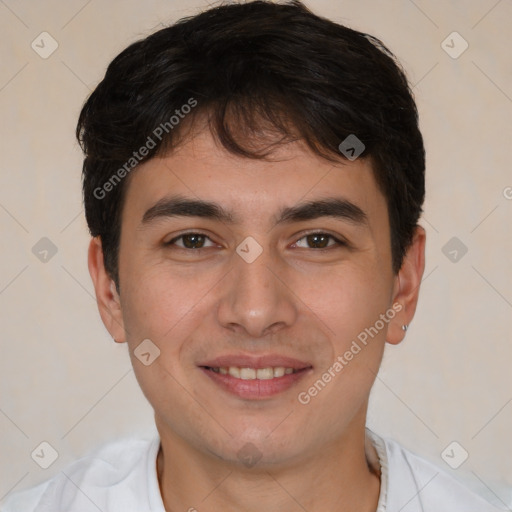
256	389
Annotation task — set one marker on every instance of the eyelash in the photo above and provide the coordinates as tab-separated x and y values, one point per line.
337	241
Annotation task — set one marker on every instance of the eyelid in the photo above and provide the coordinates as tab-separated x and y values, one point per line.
173	240
339	240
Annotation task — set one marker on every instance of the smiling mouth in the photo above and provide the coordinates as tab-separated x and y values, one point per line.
246	373
249	383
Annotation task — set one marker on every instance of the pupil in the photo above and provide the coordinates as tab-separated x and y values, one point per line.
319	241
193	241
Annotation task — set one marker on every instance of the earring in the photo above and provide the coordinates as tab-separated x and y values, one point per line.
405	327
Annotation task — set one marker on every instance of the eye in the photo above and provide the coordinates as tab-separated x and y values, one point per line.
318	241
194	241
191	241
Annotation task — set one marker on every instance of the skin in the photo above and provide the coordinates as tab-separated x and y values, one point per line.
295	299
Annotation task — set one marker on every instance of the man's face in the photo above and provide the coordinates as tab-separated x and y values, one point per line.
211	300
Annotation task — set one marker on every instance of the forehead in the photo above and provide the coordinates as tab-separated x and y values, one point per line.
201	168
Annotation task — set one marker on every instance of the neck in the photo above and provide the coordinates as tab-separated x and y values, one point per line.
341	476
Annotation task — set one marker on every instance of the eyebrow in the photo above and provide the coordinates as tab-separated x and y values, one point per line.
180	206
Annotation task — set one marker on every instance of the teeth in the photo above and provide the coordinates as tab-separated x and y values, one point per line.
234	371
247	373
264	373
253	373
280	371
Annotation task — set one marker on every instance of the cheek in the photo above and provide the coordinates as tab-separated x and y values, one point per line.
163	310
157	299
352	310
356	298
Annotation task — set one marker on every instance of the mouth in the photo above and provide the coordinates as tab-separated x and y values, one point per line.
256	379
254	373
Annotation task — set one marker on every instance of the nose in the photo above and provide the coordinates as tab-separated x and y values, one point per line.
256	299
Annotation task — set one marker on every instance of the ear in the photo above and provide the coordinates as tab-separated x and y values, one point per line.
107	297
407	287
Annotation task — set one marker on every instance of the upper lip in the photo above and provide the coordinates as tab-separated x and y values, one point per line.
255	361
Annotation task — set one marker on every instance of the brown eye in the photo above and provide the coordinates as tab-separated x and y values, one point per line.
190	241
318	241
193	241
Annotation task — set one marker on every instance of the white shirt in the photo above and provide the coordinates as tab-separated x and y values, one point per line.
122	477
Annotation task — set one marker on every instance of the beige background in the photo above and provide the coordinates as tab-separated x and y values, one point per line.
64	381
